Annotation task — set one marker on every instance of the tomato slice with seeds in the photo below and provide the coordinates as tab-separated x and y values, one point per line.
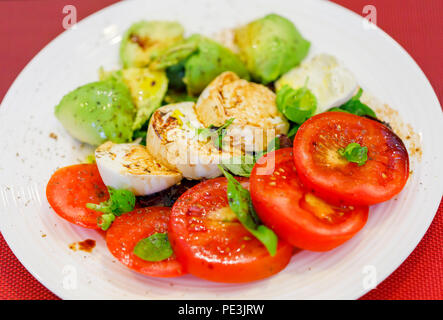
293	212
129	228
321	168
71	188
212	244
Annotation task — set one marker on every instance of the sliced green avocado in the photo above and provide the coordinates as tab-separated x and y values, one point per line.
270	47
203	60
208	62
147	88
98	112
145	40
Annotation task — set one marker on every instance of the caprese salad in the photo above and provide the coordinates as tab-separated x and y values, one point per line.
219	159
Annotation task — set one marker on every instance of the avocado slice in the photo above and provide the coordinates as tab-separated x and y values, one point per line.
145	40
98	112
270	46
147	88
203	60
210	60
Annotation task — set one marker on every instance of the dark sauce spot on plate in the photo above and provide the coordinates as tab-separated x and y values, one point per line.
85	245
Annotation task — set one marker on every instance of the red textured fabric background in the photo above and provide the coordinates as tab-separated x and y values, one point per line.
27	26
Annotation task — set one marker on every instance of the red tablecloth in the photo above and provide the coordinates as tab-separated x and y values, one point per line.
27	26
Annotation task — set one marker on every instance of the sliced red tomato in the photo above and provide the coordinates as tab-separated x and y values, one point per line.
294	213
71	188
322	169
212	244
128	229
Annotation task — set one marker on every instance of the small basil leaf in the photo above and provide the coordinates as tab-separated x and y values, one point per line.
239	199
354	152
358	108
243	165
120	201
218	132
293	131
105	221
267	237
154	248
205	133
273	145
357	95
218	142
240	202
355	106
338	110
240	165
296	105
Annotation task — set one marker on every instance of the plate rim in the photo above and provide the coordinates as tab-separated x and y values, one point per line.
62	294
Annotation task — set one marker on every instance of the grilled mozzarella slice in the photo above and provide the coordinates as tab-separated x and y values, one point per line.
252	106
173	140
132	167
327	78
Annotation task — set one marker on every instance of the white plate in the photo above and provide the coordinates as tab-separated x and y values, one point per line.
29	156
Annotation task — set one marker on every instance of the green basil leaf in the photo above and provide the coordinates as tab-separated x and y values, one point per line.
240	202
357	95
267	237
105	221
205	133
296	105
154	248
338	110
243	165
219	141
354	152
120	201
273	145
219	132
240	165
358	108
293	131
355	106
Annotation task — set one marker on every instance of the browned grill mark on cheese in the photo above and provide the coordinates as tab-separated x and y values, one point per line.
162	124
